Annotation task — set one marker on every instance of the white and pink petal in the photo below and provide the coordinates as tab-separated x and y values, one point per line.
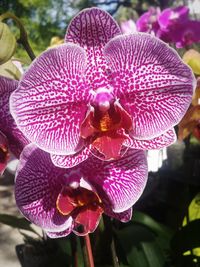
51	100
71	160
92	28
119	183
151	81
164	140
38	183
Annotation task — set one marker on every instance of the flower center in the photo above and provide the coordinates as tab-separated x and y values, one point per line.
106	124
70	199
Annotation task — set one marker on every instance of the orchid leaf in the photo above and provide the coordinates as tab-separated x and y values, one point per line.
144	242
186	239
16	222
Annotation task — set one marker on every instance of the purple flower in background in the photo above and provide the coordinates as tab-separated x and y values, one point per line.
176	27
65	200
102	92
9	131
172	25
172	18
148	21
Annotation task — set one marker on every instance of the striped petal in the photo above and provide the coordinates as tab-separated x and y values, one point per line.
121	181
159	142
151	81
51	100
92	29
8	127
38	183
71	160
124	216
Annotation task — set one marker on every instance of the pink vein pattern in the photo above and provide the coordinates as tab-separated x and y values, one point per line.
39	182
150	81
71	160
52	98
92	29
159	142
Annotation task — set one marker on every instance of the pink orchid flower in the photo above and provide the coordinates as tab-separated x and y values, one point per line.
4	154
102	92
11	138
62	201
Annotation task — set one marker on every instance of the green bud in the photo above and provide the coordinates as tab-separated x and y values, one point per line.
7	43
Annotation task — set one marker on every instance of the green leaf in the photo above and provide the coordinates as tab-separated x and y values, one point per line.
158	228
16	222
144	241
187	238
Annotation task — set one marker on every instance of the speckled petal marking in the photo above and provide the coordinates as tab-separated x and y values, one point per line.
159	142
122	180
92	29
51	100
38	183
8	126
71	160
151	81
124	216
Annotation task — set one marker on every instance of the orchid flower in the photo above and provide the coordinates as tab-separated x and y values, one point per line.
72	200
102	92
148	22
11	137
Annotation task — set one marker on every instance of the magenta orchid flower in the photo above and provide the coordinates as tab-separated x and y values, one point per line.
102	92
176	27
72	200
148	22
11	137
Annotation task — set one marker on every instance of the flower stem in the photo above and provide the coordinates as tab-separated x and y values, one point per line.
87	252
23	39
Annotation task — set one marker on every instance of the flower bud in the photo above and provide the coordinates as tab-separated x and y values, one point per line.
7	43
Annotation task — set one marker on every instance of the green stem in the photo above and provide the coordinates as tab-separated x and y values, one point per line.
23	39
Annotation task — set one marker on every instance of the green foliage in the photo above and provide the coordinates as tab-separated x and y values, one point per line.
41	19
143	242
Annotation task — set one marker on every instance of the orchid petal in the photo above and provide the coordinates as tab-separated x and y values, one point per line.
92	29
122	181
38	183
87	220
71	160
159	142
51	100
8	126
124	216
60	234
151	81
